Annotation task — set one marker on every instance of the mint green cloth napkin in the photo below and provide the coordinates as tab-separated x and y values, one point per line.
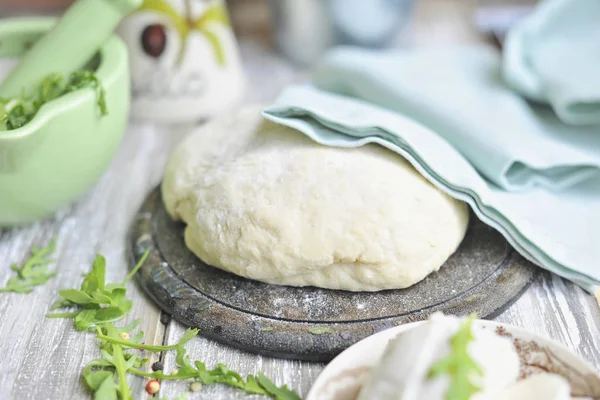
460	94
554	57
558	231
516	136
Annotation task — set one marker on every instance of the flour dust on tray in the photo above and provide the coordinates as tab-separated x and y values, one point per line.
267	203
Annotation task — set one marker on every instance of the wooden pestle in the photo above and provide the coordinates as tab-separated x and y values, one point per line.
69	45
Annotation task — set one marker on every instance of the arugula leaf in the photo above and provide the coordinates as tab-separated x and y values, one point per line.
100	380
33	272
459	365
129	327
122	366
114	361
95	279
252	385
25	286
221	374
103	385
75	296
112	314
39	257
187	336
279	393
16	112
99	302
85	319
113	357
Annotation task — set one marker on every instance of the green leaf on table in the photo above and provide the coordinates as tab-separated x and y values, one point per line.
39	257
99	302
129	327
221	374
94	280
202	373
101	298
85	319
95	379
187	336
24	286
117	294
278	393
33	272
107	389
102	384
99	376
100	305
252	385
111	314
76	296
137	338
113	287
60	303
114	356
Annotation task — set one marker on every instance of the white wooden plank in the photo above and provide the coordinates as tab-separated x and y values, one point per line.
559	310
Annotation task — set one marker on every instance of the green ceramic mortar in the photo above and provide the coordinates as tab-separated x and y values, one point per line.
62	152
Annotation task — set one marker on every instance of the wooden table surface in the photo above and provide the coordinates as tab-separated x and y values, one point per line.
43	358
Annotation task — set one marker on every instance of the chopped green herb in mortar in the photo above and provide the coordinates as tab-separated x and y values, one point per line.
16	112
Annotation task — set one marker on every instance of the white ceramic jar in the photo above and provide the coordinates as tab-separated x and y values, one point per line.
184	58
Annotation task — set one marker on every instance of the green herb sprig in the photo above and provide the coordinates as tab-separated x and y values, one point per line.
97	301
98	374
462	369
33	272
16	112
107	376
111	341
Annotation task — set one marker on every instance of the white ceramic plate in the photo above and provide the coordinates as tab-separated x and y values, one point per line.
343	377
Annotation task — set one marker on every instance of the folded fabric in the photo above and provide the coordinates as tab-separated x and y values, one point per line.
460	94
556	230
553	56
515	136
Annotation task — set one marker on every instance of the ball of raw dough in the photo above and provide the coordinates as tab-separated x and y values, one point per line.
266	202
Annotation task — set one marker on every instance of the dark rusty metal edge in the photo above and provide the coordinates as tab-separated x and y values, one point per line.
293	339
